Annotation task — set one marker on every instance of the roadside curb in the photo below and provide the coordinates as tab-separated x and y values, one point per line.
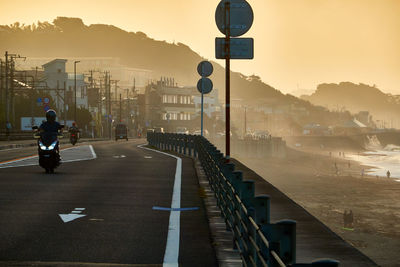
222	239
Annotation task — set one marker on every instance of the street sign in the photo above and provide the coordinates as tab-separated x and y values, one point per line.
46	108
205	68
46	100
204	85
240	48
39	100
241	17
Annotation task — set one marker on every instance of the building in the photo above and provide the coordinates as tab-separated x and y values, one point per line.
124	74
169	106
58	80
211	105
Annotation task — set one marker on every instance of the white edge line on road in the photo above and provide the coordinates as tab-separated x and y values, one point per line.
17	160
171	255
93	153
6	164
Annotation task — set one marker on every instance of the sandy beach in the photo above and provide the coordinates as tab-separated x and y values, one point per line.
312	180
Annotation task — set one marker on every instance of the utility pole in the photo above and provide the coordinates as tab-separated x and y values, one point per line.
128	111
75	88
65	104
7	93
12	70
12	99
109	104
120	107
116	88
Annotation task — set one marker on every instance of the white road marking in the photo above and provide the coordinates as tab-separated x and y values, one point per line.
148	157
71	154
73	215
70	217
172	249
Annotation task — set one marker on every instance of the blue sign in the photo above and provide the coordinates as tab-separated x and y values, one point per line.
205	68
240	17
240	48
39	100
46	108
204	85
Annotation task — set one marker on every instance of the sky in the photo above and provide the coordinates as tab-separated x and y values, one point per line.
298	44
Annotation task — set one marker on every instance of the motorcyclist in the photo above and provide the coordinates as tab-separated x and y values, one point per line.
49	130
74	129
50	127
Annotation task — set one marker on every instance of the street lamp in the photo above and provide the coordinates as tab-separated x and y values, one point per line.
75	88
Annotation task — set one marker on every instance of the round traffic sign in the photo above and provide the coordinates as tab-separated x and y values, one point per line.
204	85
46	100
241	17
205	68
46	108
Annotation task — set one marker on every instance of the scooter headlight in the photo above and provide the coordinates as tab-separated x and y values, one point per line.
42	146
53	145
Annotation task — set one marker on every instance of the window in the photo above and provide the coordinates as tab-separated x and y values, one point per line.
172	116
184	116
59	70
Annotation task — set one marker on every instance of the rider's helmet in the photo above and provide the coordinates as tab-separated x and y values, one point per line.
51	115
74	124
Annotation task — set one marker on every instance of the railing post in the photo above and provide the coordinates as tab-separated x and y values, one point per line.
282	240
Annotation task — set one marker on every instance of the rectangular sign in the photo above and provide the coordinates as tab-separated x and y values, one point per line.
27	122
240	48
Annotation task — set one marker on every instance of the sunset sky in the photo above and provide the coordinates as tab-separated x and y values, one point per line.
298	43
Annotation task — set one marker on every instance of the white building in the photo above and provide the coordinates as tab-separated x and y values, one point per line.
58	79
210	103
125	75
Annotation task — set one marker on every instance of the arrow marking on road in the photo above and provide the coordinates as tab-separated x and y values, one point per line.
70	217
73	215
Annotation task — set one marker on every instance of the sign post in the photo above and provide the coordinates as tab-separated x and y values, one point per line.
204	85
233	18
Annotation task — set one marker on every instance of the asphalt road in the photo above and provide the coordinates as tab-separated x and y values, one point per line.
109	201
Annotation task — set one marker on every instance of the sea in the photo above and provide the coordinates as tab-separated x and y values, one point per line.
381	159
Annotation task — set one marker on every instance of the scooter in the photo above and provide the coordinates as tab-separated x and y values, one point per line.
73	138
48	150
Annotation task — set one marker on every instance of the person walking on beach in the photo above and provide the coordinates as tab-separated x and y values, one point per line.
388	174
350	219
345	219
362	172
336	169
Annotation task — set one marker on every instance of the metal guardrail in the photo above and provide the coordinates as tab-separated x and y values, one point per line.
259	242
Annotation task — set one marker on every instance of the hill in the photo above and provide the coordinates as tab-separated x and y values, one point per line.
358	97
71	37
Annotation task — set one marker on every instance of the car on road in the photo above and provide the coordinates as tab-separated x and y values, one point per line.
182	130
158	129
121	132
198	132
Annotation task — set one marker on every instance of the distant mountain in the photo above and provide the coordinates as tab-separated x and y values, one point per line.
355	98
72	38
